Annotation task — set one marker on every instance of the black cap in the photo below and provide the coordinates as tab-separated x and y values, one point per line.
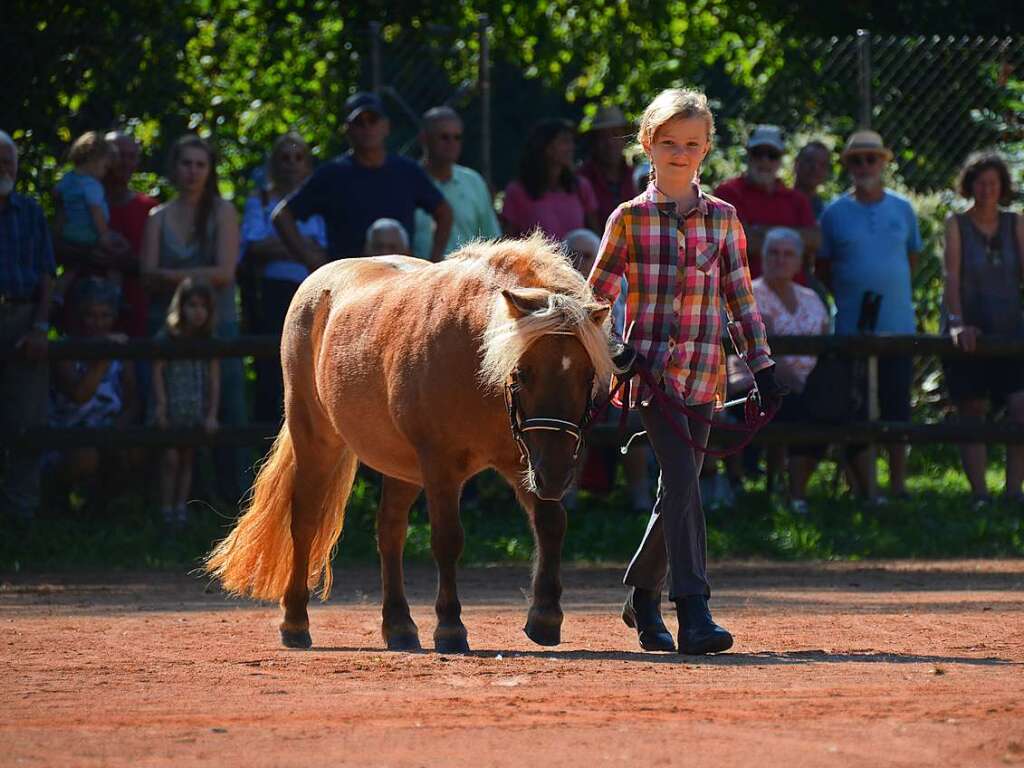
363	101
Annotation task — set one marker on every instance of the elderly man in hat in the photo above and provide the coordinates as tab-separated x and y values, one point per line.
870	242
763	201
605	167
354	190
465	190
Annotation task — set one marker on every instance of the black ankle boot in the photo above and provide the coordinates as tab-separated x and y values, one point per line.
698	633
642	612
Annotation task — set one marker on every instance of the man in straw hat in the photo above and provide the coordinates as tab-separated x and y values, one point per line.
605	167
870	242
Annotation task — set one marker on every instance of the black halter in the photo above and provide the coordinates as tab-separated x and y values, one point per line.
520	425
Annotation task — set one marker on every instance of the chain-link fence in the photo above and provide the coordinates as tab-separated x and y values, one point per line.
933	99
414	69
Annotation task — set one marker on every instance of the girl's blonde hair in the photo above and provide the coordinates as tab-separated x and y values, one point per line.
88	146
188	288
670	104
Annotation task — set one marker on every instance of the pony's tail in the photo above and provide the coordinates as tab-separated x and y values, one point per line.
256	557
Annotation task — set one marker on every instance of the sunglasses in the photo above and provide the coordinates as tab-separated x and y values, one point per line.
761	153
365	120
856	161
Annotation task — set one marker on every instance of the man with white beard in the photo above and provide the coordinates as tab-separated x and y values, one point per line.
27	269
763	201
870	243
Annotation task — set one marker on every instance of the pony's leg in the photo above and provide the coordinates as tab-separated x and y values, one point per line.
398	628
316	461
446	541
544	621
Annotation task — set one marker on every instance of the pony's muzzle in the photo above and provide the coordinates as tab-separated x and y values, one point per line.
552	486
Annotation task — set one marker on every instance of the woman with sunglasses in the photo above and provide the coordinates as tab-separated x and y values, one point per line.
267	268
984	263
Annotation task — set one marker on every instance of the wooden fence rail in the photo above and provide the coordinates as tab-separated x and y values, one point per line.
267	346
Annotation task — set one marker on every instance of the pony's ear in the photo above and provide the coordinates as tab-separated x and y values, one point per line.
526	301
599	313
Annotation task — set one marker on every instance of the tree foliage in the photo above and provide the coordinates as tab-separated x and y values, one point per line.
242	72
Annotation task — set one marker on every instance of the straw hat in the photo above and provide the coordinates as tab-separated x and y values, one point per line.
865	143
609	117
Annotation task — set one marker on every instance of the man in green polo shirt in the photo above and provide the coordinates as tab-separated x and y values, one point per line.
463	188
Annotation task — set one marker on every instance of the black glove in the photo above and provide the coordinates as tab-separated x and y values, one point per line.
769	391
627	360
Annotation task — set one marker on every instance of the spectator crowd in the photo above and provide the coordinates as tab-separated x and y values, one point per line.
114	263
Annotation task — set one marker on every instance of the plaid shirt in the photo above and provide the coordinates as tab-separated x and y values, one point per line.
677	267
26	254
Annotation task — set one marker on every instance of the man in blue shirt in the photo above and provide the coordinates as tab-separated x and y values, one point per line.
26	278
360	187
870	242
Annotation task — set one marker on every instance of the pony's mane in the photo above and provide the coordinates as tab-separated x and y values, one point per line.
536	262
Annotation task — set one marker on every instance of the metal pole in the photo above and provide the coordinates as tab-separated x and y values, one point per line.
864	76
375	83
484	77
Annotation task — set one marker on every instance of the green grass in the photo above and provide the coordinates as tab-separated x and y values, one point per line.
938	522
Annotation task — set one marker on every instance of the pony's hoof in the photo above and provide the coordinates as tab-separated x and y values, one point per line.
404	642
544	631
291	638
453	640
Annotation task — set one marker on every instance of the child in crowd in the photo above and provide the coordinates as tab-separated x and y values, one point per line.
92	393
682	252
85	218
186	393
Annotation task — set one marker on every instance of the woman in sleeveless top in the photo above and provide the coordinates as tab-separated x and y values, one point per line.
196	235
984	264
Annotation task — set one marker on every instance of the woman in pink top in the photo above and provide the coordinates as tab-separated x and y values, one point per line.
789	309
548	195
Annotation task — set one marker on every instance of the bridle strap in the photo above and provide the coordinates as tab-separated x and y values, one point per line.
520	426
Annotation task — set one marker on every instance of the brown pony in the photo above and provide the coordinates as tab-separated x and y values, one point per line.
406	366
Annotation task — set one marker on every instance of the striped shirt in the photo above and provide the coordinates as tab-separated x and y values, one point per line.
26	253
678	269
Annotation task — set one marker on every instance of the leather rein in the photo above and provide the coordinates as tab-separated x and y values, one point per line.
755	417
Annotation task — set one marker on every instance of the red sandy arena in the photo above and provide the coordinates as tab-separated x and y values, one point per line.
904	664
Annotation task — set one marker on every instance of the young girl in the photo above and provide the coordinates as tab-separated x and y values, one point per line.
186	393
681	252
85	215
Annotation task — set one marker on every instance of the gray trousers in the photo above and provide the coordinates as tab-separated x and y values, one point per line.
24	394
675	543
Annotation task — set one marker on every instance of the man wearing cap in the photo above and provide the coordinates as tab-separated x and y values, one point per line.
762	201
27	268
354	190
464	189
870	242
605	167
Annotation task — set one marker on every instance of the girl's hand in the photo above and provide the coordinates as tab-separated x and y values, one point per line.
211	424
964	337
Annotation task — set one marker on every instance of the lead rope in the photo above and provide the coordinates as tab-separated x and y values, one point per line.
754	417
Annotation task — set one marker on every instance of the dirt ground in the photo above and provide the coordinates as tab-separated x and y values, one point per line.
835	664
